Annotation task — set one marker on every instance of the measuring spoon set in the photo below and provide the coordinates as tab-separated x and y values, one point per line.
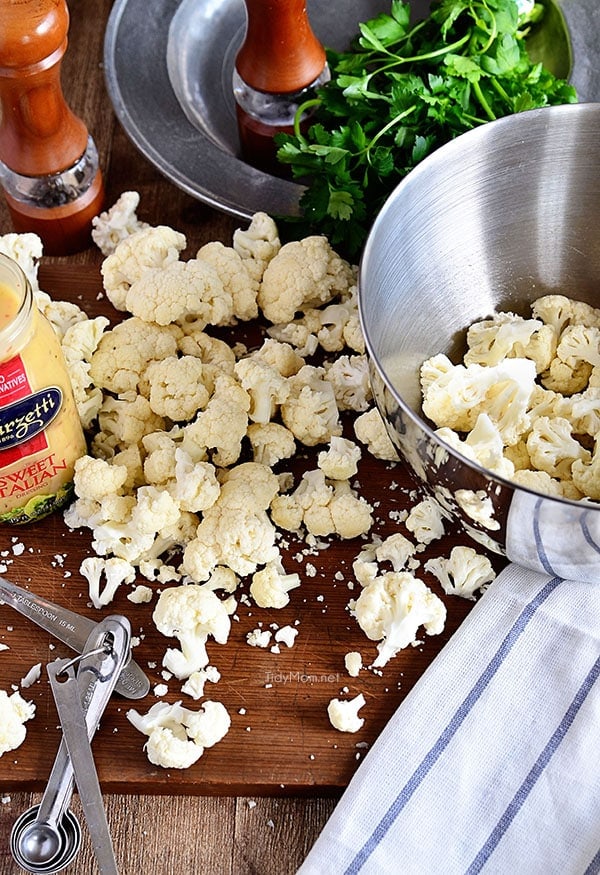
47	837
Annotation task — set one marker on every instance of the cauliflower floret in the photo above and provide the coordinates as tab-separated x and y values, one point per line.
566	379
463	573
196	487
271	442
507	335
95	478
191	613
560	311
340	460
258	244
123	354
397	549
584	411
267	388
343	714
180	290
123	422
340	325
79	343
281	356
349	376
304	273
236	531
117	223
15	711
209	725
579	343
310	411
167	750
426	521
168	744
116	571
370	430
538	481
222	425
390	610
235	277
134	255
483	445
177	389
194	685
26	250
457	396
324	508
552	448
300	334
586	474
271	585
216	355
62	315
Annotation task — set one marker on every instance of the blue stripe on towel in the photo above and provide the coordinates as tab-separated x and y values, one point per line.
539	546
534	773
587	534
448	733
594	866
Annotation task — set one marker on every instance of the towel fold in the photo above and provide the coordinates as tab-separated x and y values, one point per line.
492	762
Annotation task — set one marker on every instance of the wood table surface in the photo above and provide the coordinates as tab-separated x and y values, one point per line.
248	811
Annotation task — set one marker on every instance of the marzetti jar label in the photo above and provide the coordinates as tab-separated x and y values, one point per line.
25	419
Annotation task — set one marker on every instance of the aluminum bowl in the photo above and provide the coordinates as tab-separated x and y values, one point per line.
491	221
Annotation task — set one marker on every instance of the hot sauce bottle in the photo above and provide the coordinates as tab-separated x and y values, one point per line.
48	161
41	436
277	69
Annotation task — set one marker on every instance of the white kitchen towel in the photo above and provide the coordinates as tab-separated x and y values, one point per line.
492	762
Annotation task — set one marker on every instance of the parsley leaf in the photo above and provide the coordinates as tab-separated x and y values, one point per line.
401	91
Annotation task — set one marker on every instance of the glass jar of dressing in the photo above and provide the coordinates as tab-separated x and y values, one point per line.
41	436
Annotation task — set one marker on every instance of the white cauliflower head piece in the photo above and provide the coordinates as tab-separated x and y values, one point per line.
304	273
191	613
392	607
15	711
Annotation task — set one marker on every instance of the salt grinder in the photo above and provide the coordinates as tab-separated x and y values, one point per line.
48	161
279	65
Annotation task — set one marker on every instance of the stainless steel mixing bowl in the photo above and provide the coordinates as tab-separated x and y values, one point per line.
496	218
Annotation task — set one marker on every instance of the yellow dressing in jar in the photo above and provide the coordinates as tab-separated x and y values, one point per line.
41	436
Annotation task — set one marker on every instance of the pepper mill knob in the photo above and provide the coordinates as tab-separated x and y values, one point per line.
48	161
279	65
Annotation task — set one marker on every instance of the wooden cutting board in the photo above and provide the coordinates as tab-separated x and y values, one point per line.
280	741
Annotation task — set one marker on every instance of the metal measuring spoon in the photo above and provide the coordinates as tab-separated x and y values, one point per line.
70	628
46	837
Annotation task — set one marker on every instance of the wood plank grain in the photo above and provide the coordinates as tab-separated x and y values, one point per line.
281	741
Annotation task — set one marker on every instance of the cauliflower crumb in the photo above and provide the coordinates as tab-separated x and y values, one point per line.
343	713
140	595
286	635
353	662
259	638
32	676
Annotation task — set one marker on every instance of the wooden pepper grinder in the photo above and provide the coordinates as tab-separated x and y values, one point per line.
279	65
48	161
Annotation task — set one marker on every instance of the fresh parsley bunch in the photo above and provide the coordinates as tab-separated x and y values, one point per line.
400	92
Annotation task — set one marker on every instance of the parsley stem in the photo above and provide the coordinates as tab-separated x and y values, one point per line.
484	104
308	104
387	127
